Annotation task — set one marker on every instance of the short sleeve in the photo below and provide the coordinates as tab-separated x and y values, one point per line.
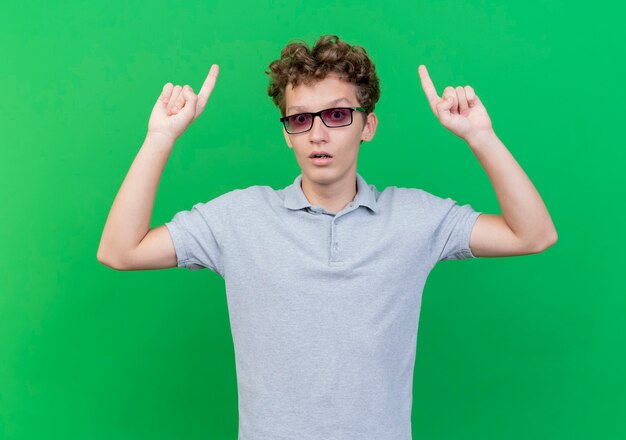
199	235
454	224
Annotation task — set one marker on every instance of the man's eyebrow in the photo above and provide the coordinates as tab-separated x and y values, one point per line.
336	101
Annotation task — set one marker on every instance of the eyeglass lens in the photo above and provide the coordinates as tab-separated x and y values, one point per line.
333	117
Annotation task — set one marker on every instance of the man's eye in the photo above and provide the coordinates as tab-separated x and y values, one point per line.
300	119
339	114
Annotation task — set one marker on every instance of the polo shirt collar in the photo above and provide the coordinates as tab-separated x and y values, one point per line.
295	198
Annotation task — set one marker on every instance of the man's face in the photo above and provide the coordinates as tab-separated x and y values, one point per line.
342	143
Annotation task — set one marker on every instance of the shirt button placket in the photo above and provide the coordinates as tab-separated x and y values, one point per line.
334	251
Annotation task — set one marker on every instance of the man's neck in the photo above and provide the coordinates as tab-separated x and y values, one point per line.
332	197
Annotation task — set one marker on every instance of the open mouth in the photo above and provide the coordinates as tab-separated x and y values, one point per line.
320	153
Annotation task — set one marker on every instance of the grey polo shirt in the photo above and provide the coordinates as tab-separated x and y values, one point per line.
323	307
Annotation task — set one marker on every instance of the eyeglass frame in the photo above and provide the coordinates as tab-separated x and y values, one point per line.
314	114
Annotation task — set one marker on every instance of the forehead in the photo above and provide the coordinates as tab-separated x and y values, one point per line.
329	91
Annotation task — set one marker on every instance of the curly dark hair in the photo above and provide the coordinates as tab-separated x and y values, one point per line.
299	63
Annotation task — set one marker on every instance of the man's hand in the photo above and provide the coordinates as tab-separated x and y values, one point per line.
459	110
177	107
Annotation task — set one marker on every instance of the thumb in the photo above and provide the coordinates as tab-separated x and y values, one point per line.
166	91
190	100
475	101
443	107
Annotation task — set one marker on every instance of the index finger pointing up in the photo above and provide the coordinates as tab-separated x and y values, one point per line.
207	87
429	88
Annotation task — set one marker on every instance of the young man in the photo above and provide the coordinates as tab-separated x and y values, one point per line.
324	277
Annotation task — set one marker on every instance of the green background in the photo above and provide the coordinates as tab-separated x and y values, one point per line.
523	347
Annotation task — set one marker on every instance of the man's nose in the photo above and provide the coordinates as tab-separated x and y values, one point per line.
318	131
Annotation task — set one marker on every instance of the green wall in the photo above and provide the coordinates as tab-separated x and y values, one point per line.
527	347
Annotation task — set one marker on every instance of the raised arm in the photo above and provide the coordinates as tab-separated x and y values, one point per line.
127	242
525	226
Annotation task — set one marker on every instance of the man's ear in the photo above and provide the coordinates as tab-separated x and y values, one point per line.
369	129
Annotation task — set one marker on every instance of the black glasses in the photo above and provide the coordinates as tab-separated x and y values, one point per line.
331	117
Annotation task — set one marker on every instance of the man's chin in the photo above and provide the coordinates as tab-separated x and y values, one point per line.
323	175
